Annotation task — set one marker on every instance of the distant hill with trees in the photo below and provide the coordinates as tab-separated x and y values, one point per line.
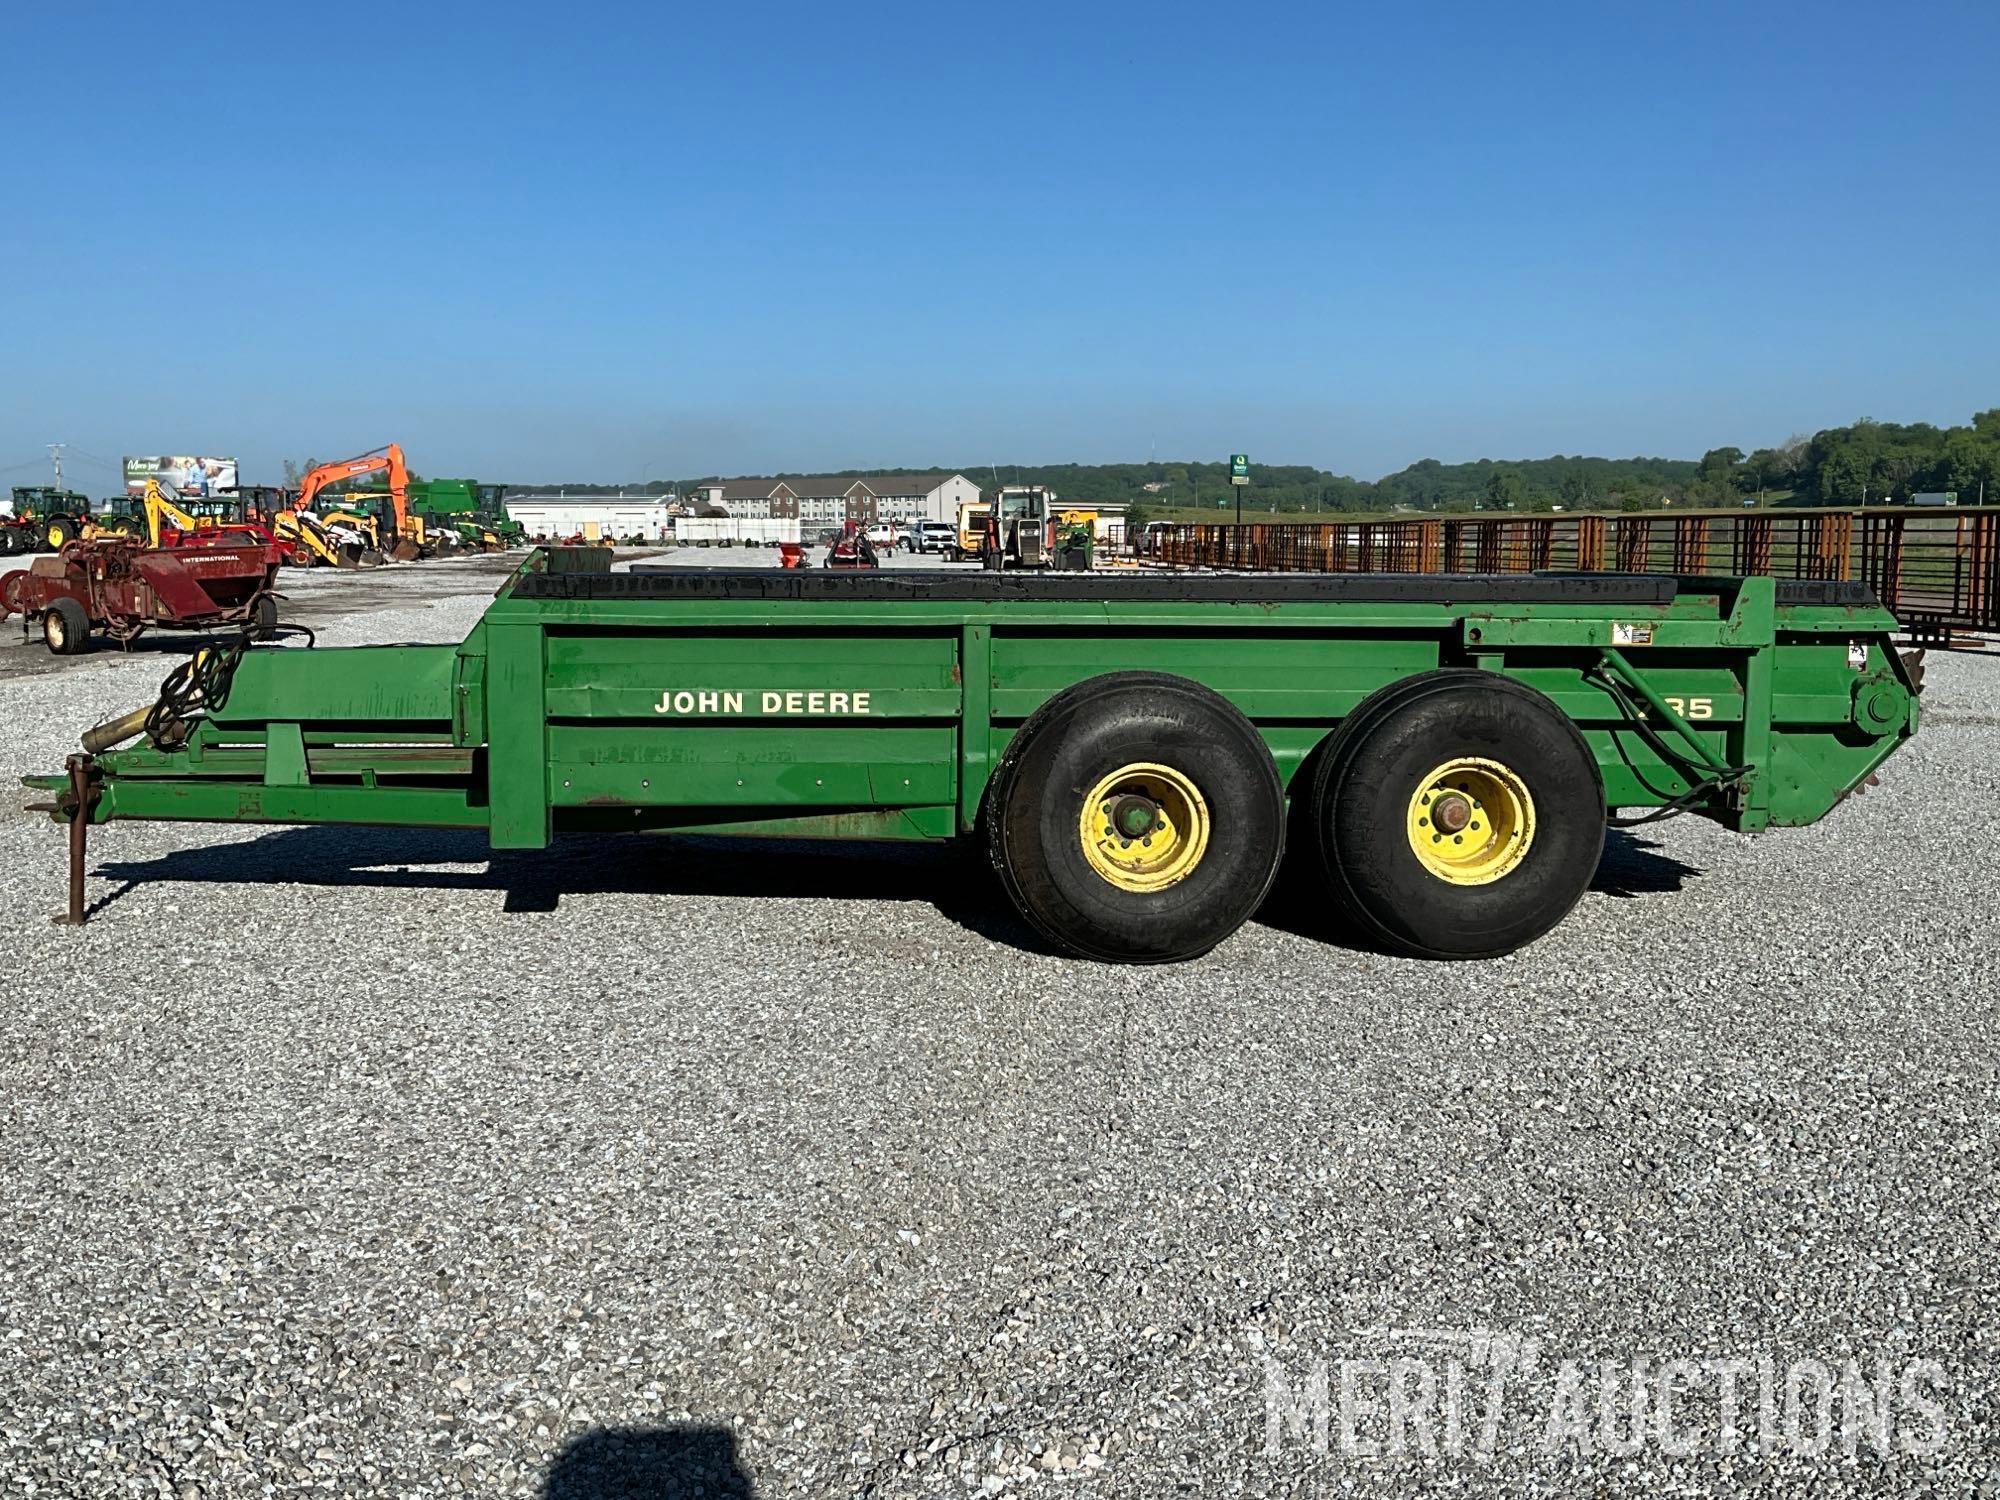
1890	460
1865	461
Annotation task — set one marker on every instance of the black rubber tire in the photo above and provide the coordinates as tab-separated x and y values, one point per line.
1081	735
264	619
1374	764
58	533
66	628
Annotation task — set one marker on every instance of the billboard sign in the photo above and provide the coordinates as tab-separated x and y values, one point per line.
181	474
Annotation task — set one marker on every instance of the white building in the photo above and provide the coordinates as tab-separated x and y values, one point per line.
594	517
827	500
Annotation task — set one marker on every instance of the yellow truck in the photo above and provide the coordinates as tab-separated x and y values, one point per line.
971	540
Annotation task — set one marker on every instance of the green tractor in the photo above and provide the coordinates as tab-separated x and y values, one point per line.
125	514
493	509
44	518
473	512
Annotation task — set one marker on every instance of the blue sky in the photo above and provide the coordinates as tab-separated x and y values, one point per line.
605	241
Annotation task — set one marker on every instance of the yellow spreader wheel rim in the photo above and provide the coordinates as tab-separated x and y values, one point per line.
1471	821
1144	827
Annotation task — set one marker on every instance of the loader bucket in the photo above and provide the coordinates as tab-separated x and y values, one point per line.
405	550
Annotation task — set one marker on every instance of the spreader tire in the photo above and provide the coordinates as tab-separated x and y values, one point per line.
1164	760
66	628
264	619
1458	814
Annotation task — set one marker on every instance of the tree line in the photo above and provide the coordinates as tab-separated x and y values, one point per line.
1865	462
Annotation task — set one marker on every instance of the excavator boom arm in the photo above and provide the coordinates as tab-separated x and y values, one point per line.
162	511
389	457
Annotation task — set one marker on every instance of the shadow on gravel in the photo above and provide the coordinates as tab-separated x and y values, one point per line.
1632	866
661	1463
156	643
950	880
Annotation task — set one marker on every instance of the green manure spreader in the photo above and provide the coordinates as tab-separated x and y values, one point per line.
1133	752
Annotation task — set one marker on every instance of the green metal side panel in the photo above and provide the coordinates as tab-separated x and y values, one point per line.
882	717
706	675
389	685
761	764
976	750
517	750
1272	674
1834	719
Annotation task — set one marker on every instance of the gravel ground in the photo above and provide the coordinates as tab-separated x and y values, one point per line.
356	1162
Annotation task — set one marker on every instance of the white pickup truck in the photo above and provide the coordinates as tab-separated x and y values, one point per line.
929	536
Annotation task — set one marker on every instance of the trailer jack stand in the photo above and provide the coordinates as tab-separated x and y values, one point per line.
78	798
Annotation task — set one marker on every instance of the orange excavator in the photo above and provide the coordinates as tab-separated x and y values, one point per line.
409	538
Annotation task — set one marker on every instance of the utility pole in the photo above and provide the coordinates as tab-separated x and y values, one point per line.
55	457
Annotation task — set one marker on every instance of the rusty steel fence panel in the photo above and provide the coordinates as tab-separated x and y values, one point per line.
1937	568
